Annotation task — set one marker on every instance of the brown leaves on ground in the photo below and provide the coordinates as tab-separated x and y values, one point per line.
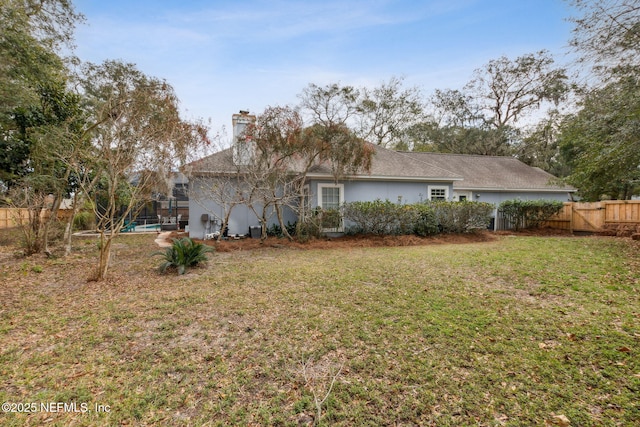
360	241
347	242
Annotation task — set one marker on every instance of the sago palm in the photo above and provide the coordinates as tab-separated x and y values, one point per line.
183	253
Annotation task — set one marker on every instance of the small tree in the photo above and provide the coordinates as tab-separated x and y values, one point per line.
137	138
285	152
51	130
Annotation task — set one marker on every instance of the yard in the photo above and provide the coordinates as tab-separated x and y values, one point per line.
513	330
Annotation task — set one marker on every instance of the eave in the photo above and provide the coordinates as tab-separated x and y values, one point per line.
519	190
385	178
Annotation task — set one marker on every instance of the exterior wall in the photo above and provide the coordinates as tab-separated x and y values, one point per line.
405	192
396	191
242	217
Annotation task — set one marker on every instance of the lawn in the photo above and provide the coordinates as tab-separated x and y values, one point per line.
520	330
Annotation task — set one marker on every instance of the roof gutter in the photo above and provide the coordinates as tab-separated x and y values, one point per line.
520	190
385	178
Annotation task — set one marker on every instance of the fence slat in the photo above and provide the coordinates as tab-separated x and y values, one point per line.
12	217
583	216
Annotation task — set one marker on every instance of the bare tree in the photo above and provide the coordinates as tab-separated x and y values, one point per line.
506	90
330	105
386	113
319	378
137	138
278	165
286	151
607	33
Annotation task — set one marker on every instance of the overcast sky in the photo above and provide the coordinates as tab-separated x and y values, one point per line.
222	56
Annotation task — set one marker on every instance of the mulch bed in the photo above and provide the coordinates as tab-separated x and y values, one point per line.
360	241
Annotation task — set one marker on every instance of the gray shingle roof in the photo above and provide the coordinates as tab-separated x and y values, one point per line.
492	172
468	172
386	164
216	163
393	165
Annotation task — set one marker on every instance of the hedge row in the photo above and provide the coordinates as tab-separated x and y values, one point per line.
424	219
529	213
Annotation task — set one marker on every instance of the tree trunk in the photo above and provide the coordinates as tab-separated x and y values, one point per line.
225	222
263	221
33	230
283	227
53	216
105	254
68	229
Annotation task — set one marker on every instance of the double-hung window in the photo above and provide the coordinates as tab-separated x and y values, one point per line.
330	198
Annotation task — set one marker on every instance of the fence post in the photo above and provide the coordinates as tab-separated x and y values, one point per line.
571	217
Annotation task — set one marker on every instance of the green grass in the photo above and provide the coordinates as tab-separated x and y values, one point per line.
512	332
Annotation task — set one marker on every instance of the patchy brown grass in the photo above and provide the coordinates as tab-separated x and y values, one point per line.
509	330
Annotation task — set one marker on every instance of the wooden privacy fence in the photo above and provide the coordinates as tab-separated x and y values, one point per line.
596	216
12	217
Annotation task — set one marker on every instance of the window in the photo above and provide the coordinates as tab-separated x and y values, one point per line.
462	195
330	198
438	192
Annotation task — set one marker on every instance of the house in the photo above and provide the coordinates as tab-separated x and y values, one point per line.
405	177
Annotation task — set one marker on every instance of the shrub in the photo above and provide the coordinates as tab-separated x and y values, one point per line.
426	223
422	219
529	213
330	218
276	231
307	230
381	218
183	253
462	217
84	220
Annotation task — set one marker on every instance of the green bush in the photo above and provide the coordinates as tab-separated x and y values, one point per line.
426	223
330	218
276	231
84	220
183	253
422	219
381	217
528	213
462	217
307	229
